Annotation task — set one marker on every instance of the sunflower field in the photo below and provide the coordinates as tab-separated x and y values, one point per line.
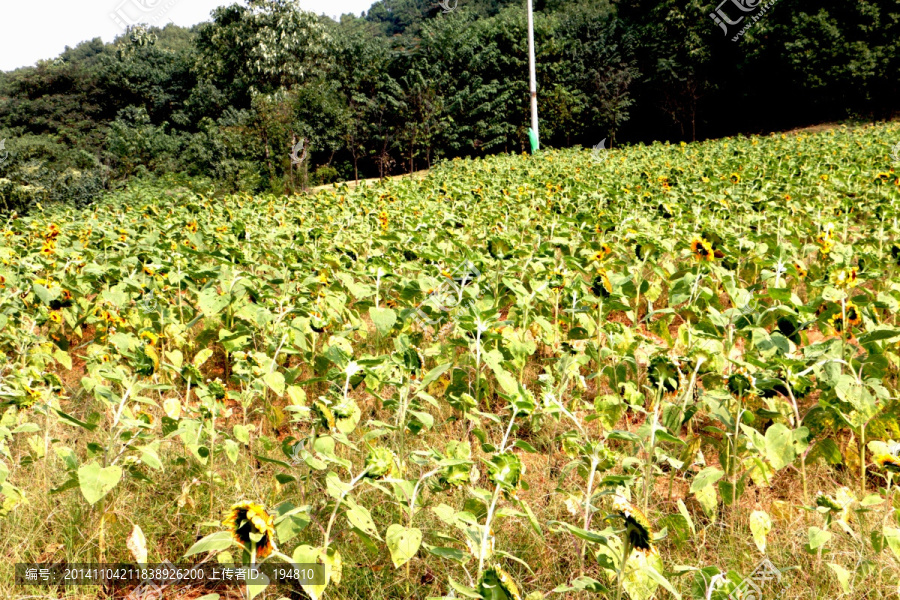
631	373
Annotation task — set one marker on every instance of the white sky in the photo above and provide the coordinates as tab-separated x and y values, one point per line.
31	30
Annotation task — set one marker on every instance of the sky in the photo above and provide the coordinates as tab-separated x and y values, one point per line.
32	30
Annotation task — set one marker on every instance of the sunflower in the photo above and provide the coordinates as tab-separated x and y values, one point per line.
735	178
801	270
56	317
601	285
498	584
192	227
837	323
251	524
888	462
602	253
150	337
702	249
637	527
149	271
379	462
557	280
846	278
852	313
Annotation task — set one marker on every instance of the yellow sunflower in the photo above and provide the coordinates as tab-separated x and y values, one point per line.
852	313
56	316
251	524
735	178
702	249
801	270
888	462
637	527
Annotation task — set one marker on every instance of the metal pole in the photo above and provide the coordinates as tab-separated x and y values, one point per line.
533	79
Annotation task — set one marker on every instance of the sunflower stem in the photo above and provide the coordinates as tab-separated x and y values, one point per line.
626	553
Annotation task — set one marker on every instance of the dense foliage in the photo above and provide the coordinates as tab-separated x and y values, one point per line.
559	372
409	83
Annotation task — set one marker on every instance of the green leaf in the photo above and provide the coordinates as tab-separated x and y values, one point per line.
214	541
687	516
361	518
241	434
432	375
63	358
96	482
780	450
878	335
843	576
818	537
304	554
583	534
231	450
447	553
384	319
202	356
760	526
211	303
582	584
465	590
403	543
892	537
67	418
705	478
275	381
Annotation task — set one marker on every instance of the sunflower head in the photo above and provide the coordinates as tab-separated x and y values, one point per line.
825	501
497	584
801	270
888	462
852	312
601	285
740	383
702	249
663	372
637	527
251	524
379	462
837	323
56	317
557	280
735	178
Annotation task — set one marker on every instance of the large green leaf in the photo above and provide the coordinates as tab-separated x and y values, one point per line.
384	319
96	482
214	541
403	543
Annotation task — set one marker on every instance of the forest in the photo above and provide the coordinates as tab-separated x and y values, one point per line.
409	83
